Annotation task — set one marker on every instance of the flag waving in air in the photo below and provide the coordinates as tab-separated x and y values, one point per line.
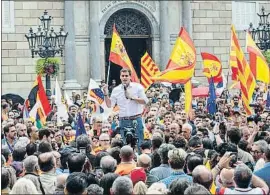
245	76
212	67
258	64
96	95
233	60
181	65
148	69
119	56
38	102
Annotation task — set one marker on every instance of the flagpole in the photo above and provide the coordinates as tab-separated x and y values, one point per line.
108	73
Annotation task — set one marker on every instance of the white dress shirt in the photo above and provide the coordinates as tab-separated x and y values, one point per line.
128	107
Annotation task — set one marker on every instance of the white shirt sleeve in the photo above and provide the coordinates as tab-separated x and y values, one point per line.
141	94
113	98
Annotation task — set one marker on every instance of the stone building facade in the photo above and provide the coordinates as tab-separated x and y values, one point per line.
89	23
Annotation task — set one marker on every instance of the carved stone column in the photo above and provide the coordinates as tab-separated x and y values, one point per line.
187	16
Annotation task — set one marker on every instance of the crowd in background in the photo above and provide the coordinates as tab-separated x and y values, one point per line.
195	153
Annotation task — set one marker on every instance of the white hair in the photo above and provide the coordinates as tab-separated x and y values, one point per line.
187	126
24	186
22	142
157	187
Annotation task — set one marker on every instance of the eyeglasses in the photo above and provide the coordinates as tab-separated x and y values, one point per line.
105	140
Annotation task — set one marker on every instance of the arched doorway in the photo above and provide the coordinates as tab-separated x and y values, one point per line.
135	32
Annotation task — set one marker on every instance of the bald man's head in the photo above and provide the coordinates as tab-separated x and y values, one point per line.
144	161
61	181
203	176
126	153
226	177
46	161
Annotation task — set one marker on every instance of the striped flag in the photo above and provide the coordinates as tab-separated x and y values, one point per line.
245	76
258	64
148	69
119	56
181	65
233	61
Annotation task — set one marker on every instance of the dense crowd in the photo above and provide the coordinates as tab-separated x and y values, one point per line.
196	153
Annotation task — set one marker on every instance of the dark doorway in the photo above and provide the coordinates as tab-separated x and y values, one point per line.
135	47
135	32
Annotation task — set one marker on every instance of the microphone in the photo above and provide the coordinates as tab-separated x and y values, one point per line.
125	89
135	123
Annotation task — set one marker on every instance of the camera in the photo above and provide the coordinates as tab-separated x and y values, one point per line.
130	136
82	150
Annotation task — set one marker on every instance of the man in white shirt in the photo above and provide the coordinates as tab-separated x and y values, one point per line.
131	98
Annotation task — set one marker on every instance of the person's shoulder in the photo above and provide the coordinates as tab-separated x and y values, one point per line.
138	85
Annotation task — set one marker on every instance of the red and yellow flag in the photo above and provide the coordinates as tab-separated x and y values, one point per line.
181	65
245	76
119	56
148	69
233	61
212	67
258	64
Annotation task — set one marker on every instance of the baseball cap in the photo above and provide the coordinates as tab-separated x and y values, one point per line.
137	174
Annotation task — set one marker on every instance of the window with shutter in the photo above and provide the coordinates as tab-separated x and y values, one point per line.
244	13
8	16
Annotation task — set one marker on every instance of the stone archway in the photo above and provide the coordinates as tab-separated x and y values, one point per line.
135	32
149	30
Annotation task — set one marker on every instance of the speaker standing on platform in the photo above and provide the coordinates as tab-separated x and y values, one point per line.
131	98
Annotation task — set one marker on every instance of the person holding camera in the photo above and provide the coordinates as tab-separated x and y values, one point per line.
131	98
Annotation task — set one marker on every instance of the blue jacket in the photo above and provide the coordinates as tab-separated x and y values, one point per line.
264	173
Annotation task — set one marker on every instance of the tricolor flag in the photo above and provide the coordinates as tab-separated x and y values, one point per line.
258	64
233	60
96	95
245	76
119	56
181	65
148	69
212	67
37	98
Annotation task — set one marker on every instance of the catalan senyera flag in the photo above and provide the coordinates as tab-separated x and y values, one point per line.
212	67
233	61
245	76
181	65
37	96
257	62
148	69
119	56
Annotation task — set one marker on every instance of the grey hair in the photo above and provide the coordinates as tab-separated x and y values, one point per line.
262	144
140	188
30	164
21	143
94	189
177	158
242	176
24	186
163	152
108	164
196	189
188	126
122	185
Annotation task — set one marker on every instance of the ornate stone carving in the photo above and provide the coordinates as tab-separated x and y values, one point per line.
128	22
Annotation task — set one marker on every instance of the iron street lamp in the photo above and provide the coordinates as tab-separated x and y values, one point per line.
261	34
46	43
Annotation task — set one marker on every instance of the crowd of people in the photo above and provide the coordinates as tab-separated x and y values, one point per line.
149	146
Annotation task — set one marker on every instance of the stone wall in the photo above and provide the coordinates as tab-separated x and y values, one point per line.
18	68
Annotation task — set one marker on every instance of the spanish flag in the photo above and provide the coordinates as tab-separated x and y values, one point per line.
119	56
258	64
212	67
148	69
181	65
245	76
233	61
37	100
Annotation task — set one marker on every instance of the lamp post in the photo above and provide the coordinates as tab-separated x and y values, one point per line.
46	43
261	34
